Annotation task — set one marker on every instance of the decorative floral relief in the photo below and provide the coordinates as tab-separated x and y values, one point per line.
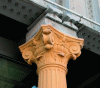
48	39
28	56
51	45
51	51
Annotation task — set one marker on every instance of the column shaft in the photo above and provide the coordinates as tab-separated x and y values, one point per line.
52	77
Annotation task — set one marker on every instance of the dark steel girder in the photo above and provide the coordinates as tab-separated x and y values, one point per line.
24	11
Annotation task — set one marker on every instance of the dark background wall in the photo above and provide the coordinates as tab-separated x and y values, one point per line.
14	72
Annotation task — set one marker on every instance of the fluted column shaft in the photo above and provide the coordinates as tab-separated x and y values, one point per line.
52	76
51	50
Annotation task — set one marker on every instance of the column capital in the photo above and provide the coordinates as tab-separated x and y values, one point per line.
51	47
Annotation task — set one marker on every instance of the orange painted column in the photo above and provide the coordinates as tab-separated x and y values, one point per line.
51	50
52	76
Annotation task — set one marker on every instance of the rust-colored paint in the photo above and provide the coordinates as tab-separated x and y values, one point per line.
51	50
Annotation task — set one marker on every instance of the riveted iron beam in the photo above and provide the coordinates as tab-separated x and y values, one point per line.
91	38
24	11
83	17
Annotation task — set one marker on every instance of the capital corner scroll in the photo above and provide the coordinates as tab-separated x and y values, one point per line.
50	46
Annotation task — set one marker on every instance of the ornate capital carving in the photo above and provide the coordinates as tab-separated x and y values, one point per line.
51	50
50	46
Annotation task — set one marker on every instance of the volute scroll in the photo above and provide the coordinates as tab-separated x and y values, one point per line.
50	43
28	56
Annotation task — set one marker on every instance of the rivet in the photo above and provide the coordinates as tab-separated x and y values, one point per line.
9	1
94	38
5	7
88	36
16	4
83	34
31	19
98	47
88	48
93	45
11	10
25	16
18	13
37	14
23	7
30	10
88	43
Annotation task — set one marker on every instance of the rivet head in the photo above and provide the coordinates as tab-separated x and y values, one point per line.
11	10
88	48
31	19
9	1
5	7
16	4
88	43
94	38
98	47
37	14
25	16
23	7
83	34
89	36
18	13
30	10
93	45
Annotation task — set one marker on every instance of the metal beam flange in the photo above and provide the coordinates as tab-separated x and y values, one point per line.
91	38
23	11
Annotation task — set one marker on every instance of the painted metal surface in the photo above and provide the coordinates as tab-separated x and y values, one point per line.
96	13
12	73
60	27
26	11
77	14
9	48
23	11
91	38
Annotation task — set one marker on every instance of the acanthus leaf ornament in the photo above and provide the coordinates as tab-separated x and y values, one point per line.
48	38
51	50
